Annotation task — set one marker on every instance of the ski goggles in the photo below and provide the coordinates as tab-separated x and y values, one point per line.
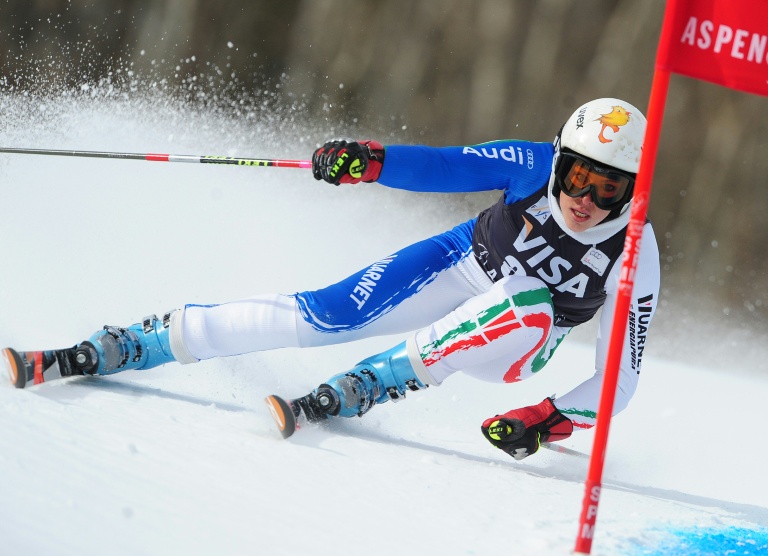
577	176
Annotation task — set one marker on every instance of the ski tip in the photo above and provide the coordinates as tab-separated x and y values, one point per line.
282	414
14	366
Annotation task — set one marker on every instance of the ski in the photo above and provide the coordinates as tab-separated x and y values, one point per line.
283	414
27	368
286	413
563	450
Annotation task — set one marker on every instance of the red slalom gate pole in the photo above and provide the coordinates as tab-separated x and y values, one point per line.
699	59
593	484
154	157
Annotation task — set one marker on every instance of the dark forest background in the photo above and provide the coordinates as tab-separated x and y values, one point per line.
446	72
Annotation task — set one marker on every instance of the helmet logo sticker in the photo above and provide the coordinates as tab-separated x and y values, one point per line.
614	120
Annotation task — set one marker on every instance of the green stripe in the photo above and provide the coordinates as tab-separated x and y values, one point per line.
543	357
532	297
492	312
579	412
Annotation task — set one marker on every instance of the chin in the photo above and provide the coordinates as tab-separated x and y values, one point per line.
577	226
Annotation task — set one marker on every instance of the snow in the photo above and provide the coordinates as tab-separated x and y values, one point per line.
186	459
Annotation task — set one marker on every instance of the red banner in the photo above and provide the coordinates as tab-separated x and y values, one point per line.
722	41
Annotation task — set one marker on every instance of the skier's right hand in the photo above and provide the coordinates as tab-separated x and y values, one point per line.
520	432
342	162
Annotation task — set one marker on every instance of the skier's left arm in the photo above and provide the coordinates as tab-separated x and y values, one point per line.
581	404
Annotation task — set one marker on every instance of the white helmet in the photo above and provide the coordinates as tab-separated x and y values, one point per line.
607	130
607	136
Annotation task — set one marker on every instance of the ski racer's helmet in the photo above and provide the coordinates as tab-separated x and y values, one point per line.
604	136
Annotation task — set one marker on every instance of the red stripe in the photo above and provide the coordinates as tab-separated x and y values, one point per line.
501	326
291	163
541	321
38	355
157	157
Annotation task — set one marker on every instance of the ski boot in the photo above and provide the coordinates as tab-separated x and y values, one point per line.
141	346
386	376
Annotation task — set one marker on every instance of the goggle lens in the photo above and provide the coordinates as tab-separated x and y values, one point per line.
577	176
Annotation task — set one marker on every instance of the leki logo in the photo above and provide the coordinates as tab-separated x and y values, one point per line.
613	120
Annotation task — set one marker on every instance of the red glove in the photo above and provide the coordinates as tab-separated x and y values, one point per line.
341	162
520	431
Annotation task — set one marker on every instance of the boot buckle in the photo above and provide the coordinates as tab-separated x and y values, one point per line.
394	394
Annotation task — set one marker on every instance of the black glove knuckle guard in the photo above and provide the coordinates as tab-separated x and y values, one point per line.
339	162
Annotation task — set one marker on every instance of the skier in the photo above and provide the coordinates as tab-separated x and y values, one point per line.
492	297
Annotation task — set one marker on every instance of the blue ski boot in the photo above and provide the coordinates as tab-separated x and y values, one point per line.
141	346
386	376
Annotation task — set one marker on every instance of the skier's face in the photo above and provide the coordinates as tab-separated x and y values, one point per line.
581	213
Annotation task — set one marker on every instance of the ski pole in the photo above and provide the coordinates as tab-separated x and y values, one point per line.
154	157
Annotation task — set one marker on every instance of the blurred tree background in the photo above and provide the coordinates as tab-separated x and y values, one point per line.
451	72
